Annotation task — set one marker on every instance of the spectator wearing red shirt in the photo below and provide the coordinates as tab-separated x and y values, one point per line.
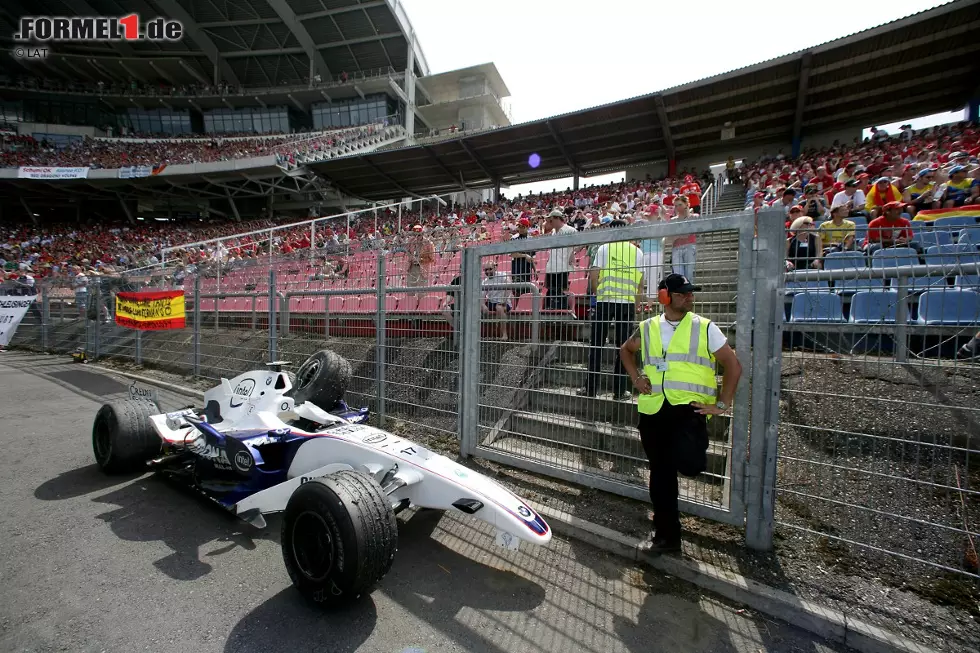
692	191
890	230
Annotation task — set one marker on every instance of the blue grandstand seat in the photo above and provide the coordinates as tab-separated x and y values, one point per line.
918	284
893	257
848	286
815	306
933	237
800	286
968	281
970	236
860	227
955	223
949	256
950	306
874	307
844	261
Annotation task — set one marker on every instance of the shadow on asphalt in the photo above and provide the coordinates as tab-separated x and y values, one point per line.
76	482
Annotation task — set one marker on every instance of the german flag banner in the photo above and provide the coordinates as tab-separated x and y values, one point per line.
968	211
150	311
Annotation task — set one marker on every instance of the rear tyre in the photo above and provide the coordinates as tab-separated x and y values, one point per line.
322	379
339	537
123	438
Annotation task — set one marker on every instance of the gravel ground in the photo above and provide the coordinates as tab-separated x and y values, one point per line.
913	441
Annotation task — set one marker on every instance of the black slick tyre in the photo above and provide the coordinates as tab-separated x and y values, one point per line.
322	379
339	537
123	438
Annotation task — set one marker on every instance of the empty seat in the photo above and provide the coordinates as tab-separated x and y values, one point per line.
847	286
955	223
970	236
800	286
930	238
845	261
874	307
893	257
816	306
968	281
949	306
431	303
949	256
917	284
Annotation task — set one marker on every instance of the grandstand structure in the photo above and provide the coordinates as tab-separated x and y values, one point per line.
313	70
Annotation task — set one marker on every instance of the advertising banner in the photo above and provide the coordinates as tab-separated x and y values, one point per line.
48	172
12	311
135	172
151	310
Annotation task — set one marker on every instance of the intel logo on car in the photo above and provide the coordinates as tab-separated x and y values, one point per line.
242	392
243	461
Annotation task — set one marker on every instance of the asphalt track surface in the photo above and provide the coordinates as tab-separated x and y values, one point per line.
92	563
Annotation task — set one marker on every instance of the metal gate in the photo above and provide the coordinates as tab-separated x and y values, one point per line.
518	395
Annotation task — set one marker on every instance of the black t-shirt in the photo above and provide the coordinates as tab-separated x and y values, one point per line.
453	295
521	267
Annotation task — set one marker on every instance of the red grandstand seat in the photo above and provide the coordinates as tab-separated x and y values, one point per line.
408	304
431	304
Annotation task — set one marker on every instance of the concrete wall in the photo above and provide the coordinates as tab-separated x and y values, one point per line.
28	128
656	171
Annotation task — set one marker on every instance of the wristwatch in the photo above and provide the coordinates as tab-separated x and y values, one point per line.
721	405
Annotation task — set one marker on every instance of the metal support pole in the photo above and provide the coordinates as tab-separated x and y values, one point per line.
216	300
45	317
767	352
399	218
469	366
902	320
273	336
98	321
139	347
381	331
196	363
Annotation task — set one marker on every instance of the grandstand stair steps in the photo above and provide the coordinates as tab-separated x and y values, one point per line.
732	199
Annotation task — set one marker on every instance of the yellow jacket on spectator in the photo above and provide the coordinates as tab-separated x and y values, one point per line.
876	200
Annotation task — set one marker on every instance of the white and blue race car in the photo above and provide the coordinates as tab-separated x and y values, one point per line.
261	445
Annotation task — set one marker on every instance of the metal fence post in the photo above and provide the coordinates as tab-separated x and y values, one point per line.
767	352
139	347
196	363
45	317
273	336
381	331
469	355
901	320
97	345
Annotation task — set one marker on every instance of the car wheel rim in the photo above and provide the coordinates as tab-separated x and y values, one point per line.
313	548
307	373
103	444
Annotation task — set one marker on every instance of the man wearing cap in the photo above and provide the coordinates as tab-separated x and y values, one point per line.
883	192
921	194
522	263
559	265
616	275
890	230
851	197
497	299
679	351
960	189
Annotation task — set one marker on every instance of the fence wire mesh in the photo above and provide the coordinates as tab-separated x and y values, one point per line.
879	447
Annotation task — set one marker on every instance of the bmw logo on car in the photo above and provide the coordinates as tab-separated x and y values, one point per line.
243	461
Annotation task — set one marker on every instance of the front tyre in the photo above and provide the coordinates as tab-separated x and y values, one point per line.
339	537
123	438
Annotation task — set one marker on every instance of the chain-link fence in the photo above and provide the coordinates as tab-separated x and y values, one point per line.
879	449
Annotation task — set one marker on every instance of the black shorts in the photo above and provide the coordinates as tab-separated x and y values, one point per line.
492	307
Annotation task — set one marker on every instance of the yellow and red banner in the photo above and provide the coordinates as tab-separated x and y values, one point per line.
156	310
970	210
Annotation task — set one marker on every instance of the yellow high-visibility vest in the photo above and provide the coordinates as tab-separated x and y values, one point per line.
690	375
619	279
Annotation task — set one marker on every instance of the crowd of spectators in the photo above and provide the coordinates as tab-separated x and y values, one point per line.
108	153
883	181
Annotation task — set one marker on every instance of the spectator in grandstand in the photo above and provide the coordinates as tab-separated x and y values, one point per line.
882	193
851	197
678	392
838	233
814	203
560	263
692	191
651	249
730	169
960	189
522	267
617	275
920	195
890	230
497	300
683	253
421	255
787	201
803	248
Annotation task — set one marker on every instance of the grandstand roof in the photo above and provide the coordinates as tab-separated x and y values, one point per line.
254	43
925	63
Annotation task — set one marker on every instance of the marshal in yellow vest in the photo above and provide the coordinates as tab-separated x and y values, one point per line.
690	366
619	279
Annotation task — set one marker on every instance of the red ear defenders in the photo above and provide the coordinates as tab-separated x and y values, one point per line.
663	296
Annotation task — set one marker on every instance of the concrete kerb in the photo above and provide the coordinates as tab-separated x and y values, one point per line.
832	625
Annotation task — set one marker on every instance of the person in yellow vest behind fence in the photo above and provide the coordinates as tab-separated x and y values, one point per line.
616	275
679	351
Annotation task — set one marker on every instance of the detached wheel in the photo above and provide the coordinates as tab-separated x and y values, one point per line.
123	438
339	537
322	379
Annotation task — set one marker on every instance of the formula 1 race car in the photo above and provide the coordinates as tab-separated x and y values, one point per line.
263	445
